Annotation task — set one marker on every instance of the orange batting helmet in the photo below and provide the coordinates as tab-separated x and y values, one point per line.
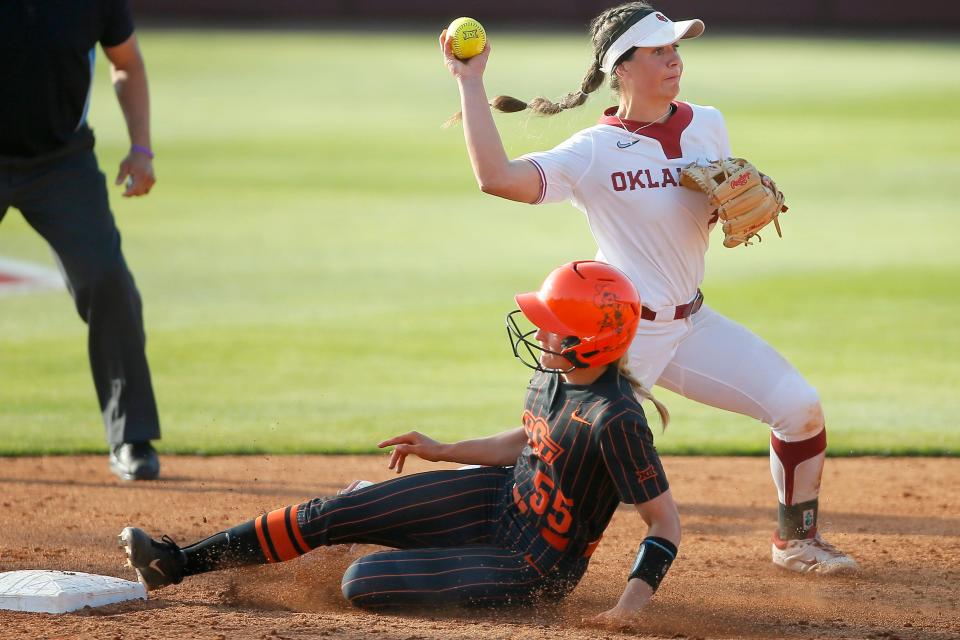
593	306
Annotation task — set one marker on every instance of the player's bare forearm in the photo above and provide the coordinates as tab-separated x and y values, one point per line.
662	517
663	521
495	172
500	449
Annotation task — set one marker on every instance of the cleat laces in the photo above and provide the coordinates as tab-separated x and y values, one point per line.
168	541
826	546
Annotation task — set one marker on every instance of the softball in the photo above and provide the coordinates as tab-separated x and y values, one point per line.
467	37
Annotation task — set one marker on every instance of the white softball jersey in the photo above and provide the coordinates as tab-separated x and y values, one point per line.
628	185
625	177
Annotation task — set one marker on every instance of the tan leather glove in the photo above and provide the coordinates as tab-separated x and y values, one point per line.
745	200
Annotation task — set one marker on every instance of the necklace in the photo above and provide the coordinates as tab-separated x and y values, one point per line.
644	126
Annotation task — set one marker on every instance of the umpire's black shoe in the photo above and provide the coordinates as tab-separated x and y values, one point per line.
135	461
158	563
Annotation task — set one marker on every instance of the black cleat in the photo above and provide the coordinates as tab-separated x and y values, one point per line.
135	461
158	564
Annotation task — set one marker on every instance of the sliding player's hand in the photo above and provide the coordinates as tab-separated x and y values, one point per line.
412	443
615	619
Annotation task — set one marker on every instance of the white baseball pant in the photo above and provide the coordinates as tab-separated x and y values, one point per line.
715	361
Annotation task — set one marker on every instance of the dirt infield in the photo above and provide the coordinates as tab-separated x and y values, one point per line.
899	517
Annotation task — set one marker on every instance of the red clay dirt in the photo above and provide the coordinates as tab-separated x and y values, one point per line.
899	517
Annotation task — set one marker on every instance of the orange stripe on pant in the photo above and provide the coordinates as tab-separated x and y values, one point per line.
296	529
280	536
264	547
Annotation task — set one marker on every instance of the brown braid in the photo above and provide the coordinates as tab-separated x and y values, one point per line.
642	392
603	31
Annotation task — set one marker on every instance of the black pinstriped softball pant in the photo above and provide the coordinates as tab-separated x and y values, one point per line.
458	540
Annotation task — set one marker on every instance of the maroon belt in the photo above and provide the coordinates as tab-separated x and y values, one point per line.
680	311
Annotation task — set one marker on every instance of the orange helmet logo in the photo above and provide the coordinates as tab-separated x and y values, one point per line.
609	304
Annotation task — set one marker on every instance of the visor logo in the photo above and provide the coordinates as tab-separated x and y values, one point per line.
662	18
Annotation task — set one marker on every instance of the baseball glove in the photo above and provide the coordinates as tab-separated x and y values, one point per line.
745	200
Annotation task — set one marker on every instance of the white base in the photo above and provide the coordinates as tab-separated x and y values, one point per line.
62	591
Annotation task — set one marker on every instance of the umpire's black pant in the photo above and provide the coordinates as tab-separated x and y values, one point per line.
65	200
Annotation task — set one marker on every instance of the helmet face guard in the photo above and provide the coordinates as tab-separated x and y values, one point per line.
592	306
528	350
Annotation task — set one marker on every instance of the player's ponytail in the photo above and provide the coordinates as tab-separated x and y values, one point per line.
642	392
546	107
604	29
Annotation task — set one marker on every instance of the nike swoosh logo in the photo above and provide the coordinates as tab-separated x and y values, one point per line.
155	565
626	145
576	416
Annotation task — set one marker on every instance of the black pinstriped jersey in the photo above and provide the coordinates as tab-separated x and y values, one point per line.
589	448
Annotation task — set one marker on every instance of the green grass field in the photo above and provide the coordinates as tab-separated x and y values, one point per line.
319	270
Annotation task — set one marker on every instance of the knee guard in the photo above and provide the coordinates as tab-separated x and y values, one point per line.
796	413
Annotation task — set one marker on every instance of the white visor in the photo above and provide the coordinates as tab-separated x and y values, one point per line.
655	30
